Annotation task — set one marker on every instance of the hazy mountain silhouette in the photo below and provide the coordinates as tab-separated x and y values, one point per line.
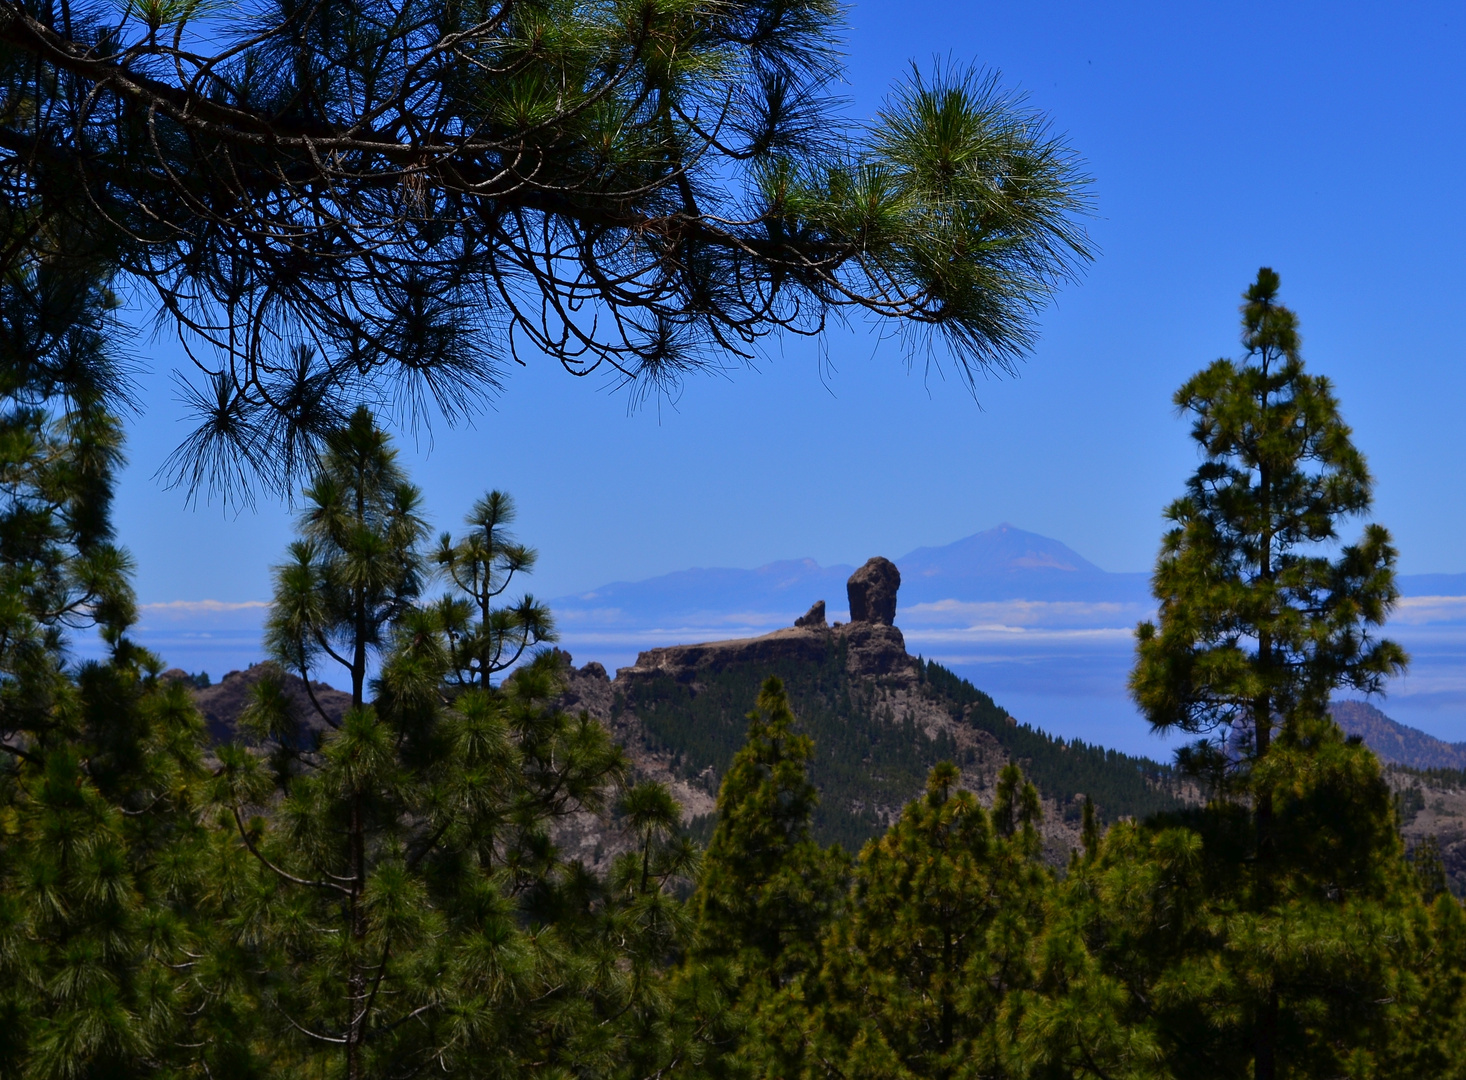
1004	563
718	592
1008	563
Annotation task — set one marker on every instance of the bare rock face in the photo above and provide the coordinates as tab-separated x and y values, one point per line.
586	689
596	839
872	591
814	618
876	650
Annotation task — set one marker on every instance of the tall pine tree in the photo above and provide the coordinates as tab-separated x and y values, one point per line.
100	766
1263	614
942	918
1258	625
392	899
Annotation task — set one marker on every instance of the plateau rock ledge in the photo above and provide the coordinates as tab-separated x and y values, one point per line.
872	644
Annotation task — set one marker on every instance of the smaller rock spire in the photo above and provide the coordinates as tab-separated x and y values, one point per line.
814	618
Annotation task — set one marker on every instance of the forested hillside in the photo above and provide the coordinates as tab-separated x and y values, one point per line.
381	882
874	744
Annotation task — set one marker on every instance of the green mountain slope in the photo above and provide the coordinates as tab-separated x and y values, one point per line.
875	738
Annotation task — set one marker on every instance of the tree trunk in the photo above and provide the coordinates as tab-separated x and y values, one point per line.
1265	1064
358	656
356	994
1266	1031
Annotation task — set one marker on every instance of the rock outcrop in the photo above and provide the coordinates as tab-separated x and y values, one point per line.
873	646
878	651
679	713
872	592
685	662
814	618
223	702
874	654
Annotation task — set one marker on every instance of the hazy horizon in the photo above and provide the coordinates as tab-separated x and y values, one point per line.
1052	645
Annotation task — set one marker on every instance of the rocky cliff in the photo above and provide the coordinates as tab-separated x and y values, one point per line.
223	702
1395	743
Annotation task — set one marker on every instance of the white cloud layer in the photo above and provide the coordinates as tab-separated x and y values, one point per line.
1424	610
1021	613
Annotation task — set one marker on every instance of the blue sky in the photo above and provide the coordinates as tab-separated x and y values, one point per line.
1323	140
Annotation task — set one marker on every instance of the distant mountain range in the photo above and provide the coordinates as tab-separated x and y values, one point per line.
1025	617
1000	564
1010	564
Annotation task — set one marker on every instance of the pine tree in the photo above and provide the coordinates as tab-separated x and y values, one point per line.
1430	1039
100	784
941	922
1258	625
485	636
766	887
357	567
60	450
1164	950
426	193
648	915
765	895
392	896
100	863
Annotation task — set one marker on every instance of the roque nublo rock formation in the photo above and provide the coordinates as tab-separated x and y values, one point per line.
873	645
872	592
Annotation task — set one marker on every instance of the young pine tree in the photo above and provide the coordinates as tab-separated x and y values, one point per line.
765	896
484	636
937	938
357	567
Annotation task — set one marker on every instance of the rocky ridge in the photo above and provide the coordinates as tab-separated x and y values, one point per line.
224	701
1396	743
885	681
